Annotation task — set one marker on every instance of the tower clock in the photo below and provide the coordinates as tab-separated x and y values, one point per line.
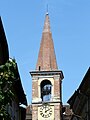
45	111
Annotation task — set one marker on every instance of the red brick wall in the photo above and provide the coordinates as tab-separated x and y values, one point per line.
57	112
34	89
57	88
34	112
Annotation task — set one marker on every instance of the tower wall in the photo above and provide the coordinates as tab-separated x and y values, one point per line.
46	80
55	102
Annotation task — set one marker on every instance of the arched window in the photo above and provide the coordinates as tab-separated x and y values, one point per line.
46	90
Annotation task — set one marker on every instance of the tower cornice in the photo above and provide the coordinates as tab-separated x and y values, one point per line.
46	73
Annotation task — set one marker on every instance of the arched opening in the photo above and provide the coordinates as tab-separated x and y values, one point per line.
46	88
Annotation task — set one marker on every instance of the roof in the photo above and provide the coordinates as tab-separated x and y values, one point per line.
4	52
67	112
85	84
19	89
82	92
46	57
29	109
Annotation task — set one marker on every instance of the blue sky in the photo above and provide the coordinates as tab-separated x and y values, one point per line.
23	22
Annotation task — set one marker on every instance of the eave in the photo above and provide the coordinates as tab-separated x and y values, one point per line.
3	45
19	89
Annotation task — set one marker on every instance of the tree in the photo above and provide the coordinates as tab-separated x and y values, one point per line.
7	79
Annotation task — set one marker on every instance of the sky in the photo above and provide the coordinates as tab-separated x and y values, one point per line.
23	22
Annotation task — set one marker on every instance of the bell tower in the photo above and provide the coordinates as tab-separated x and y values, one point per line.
46	80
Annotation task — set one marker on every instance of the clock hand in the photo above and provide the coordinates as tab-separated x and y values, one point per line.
47	110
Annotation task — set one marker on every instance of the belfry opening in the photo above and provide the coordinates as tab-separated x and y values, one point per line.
46	88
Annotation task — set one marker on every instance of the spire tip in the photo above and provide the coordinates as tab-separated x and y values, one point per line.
47	10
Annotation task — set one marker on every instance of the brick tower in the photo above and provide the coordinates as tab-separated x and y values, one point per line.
46	80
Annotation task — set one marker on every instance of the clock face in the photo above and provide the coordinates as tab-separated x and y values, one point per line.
45	111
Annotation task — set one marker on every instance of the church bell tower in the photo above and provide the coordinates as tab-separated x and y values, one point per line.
46	80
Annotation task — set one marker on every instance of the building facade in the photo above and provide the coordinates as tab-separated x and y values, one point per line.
80	100
46	80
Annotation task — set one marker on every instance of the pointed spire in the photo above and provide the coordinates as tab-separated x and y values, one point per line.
46	58
47	24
